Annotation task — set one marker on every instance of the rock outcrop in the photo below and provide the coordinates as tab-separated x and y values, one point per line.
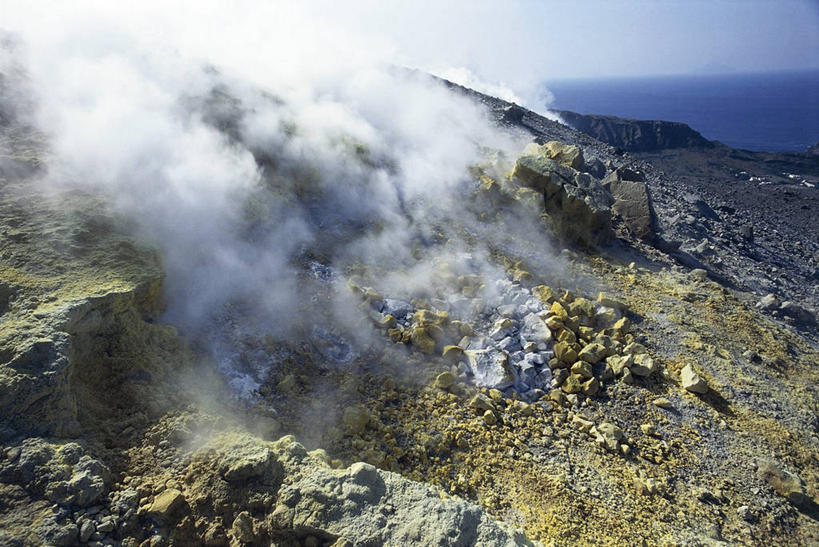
635	135
578	205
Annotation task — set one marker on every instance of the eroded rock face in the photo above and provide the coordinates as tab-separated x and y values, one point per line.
367	506
636	135
360	504
578	205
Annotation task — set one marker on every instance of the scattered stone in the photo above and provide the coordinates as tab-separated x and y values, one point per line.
168	505
544	293
481	403
769	302
643	365
573	384
744	512
691	381
797	313
591	387
648	429
608	435
632	203
786	484
566	353
583	369
592	353
533	329
453	354
86	530
621	326
627	376
422	340
489	418
582	424
445	380
662	402
106	526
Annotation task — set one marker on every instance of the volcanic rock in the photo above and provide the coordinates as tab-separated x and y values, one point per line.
578	204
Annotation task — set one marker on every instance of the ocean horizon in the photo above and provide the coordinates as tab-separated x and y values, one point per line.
774	111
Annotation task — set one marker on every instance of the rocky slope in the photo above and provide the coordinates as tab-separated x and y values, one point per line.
627	390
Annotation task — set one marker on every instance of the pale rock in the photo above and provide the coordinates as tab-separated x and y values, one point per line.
691	381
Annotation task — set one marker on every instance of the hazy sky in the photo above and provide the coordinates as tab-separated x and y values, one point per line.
587	38
516	43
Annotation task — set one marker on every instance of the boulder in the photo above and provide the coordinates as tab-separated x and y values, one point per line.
578	207
632	203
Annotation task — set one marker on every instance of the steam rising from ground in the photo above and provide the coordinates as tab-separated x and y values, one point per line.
267	154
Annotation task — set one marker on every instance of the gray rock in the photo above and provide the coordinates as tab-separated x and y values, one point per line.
632	203
86	530
396	308
491	368
596	168
106	526
534	329
507	310
509	344
375	507
798	313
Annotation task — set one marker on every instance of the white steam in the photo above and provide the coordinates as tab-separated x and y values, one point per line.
241	140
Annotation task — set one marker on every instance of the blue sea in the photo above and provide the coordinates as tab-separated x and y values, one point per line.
777	111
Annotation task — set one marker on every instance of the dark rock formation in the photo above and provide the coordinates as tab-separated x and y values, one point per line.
635	135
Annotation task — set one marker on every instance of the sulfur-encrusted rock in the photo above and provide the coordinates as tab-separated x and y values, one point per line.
608	435
577	204
544	293
566	154
593	353
583	369
565	353
572	384
421	339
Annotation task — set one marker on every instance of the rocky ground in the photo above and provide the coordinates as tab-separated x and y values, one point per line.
627	391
